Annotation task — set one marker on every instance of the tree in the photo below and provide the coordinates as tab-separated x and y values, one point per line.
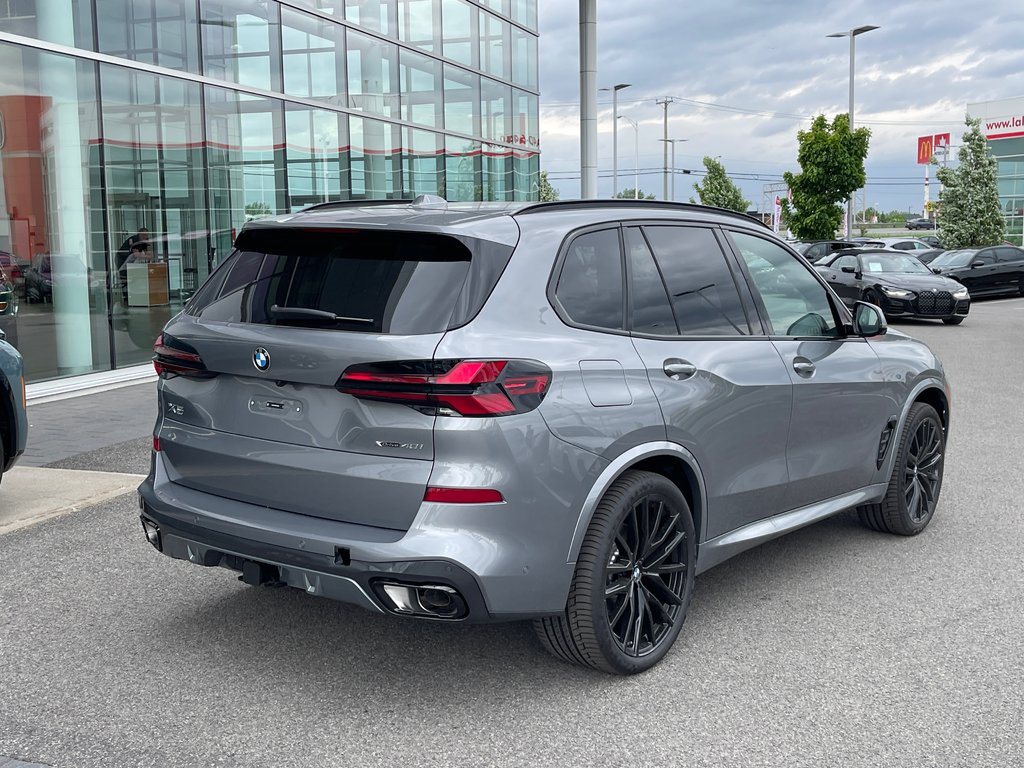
629	194
831	161
548	194
970	214
256	209
719	190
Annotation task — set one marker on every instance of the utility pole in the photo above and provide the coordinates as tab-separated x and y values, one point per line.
615	134
673	143
664	103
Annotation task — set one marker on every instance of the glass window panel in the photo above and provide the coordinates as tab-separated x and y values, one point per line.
590	283
494	45
462	169
419	23
153	141
375	159
704	296
525	12
796	303
333	7
240	42
526	170
246	147
459	28
162	32
524	58
652	312
421	92
495	110
317	156
372	75
498	182
375	15
423	164
525	121
52	236
67	22
461	100
314	55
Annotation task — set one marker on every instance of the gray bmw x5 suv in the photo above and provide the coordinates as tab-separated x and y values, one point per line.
561	412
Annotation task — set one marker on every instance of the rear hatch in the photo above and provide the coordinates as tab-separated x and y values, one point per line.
249	399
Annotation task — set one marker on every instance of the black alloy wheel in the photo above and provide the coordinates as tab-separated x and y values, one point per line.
646	575
633	580
916	479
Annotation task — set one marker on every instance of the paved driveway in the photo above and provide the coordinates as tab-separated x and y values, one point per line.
832	646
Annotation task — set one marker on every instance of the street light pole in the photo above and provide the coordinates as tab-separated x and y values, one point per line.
664	103
636	156
615	134
673	143
852	34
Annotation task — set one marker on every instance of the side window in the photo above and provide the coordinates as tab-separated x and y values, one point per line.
903	246
815	252
700	284
589	287
1009	255
652	312
796	303
844	261
988	257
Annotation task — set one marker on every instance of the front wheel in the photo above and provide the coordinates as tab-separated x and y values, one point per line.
633	580
916	478
953	320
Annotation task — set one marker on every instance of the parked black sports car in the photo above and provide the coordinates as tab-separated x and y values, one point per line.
898	283
985	271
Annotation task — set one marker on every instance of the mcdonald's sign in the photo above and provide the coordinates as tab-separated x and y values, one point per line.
925	150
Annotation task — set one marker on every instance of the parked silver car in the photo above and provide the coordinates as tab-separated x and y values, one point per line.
561	412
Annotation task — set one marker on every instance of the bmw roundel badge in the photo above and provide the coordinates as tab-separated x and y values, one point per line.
261	359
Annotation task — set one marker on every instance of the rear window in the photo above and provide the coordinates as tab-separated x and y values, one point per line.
372	282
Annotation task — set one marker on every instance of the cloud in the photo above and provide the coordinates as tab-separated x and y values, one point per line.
763	71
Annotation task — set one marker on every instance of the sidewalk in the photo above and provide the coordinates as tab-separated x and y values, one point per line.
81	451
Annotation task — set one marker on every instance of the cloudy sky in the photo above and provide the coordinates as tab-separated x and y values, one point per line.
747	75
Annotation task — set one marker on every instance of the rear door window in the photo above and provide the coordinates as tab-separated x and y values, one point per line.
701	286
590	285
373	282
651	309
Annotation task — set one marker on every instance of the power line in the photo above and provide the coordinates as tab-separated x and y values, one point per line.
754	112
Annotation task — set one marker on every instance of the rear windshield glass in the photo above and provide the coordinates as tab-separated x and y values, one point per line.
374	282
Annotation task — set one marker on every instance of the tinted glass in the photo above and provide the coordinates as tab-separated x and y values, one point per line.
955	258
363	282
590	283
652	312
903	246
986	257
844	261
873	263
796	303
1009	254
700	285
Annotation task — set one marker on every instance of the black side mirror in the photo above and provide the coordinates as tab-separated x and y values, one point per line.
849	270
868	320
937	270
978	263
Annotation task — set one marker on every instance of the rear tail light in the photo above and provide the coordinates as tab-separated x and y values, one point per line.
452	387
173	357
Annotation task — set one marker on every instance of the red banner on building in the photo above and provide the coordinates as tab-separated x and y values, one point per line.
924	150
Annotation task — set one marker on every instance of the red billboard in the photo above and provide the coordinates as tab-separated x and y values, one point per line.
924	150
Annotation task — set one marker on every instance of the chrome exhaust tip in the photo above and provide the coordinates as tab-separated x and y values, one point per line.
152	531
435	601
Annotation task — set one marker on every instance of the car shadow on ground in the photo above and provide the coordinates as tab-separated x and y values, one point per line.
282	634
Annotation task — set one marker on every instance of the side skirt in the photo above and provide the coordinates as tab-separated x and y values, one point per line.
723	547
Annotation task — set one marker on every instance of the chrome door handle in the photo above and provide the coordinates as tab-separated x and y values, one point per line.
803	367
678	369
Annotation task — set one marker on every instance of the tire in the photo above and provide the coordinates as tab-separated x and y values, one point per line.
956	320
910	501
631	630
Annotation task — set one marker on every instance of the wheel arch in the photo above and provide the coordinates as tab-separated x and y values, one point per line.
931	391
670	460
8	424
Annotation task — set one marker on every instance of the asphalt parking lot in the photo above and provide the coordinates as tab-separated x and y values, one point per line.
832	646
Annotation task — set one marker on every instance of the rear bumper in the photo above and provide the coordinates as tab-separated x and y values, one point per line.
497	575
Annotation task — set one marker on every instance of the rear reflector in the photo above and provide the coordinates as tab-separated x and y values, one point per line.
156	444
463	495
452	387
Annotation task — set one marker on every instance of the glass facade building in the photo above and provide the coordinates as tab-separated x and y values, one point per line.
138	136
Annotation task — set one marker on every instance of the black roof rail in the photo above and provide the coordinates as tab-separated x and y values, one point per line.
627	203
353	204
